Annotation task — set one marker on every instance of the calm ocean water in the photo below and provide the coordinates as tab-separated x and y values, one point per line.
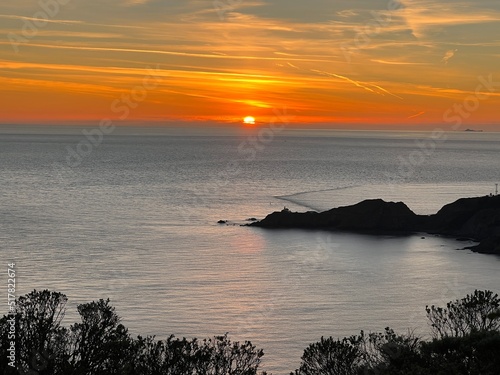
136	221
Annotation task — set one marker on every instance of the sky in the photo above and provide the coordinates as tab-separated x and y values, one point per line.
412	64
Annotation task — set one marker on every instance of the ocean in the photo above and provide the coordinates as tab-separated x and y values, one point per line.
132	216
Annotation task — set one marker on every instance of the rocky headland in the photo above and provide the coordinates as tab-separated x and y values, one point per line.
477	219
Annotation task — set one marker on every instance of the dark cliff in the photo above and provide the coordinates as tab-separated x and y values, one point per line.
475	218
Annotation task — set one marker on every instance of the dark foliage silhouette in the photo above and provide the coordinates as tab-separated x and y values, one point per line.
332	357
466	341
101	345
476	312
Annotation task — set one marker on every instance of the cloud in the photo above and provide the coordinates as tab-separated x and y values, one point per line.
448	55
425	17
380	61
416	115
24	18
135	2
363	85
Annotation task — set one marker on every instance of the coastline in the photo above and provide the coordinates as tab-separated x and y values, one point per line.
477	219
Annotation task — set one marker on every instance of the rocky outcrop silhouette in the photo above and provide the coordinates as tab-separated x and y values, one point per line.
475	218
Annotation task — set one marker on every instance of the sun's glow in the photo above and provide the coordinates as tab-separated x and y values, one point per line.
249	120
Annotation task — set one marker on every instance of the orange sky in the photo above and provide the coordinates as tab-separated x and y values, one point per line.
348	64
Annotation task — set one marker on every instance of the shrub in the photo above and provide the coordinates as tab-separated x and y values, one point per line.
40	340
217	356
475	313
333	357
99	344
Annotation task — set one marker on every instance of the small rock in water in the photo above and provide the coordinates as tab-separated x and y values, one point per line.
222	222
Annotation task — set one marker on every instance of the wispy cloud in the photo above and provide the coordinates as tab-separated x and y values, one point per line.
364	85
448	55
24	18
426	17
416	115
398	62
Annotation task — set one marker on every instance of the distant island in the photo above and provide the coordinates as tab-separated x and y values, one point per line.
472	130
477	219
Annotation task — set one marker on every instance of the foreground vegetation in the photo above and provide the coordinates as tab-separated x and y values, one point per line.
466	340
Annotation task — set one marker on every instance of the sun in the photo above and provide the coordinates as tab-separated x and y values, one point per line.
249	120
